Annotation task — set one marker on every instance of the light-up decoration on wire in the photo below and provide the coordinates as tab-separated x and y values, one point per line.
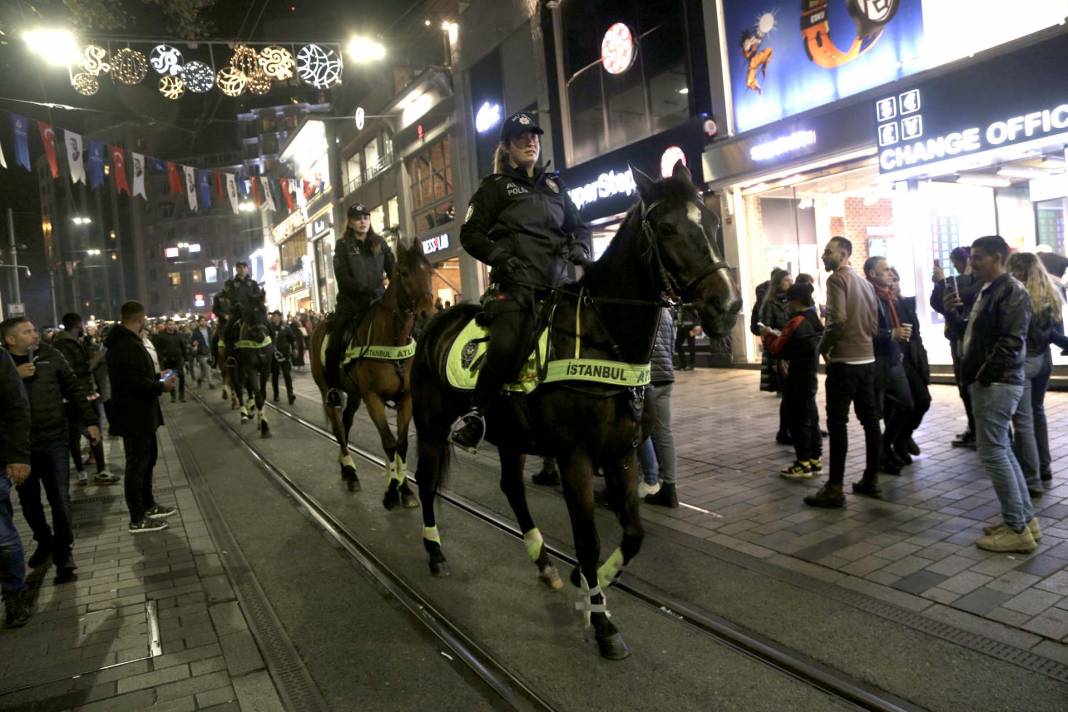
199	77
360	117
230	81
319	67
618	49
258	83
277	62
95	60
245	60
166	60
172	87
129	66
85	83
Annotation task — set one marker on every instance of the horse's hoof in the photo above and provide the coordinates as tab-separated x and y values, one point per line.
391	499
353	484
439	569
265	432
613	647
409	500
551	578
348	472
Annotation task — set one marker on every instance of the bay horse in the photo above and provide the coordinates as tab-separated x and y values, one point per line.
381	375
253	351
666	246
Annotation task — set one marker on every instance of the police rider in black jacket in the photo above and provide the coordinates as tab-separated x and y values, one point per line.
522	223
361	260
243	292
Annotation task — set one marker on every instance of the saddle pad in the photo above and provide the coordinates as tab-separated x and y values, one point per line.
468	353
385	353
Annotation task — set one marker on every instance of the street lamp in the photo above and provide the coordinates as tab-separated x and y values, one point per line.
56	47
363	50
247	207
81	220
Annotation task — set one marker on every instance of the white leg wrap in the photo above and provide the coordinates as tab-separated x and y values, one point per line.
346	461
431	534
533	541
399	471
586	604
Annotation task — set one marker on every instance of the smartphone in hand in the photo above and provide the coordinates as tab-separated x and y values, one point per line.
166	376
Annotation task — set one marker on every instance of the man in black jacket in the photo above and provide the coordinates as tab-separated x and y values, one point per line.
992	361
171	350
48	380
282	363
136	415
71	342
14	469
967	286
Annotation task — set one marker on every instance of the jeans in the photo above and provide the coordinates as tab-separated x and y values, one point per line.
647	460
202	370
852	383
12	561
663	438
179	370
804	425
895	402
962	387
1039	386
994	406
141	452
1024	441
50	467
75	431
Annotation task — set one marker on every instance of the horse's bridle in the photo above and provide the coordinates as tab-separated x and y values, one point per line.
668	283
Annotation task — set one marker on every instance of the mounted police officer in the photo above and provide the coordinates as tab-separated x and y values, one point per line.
522	223
361	260
243	293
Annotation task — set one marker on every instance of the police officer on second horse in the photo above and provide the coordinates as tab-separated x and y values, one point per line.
243	292
522	223
361	259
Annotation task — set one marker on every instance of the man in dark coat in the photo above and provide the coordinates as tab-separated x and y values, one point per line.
282	362
14	469
49	380
71	342
170	348
136	415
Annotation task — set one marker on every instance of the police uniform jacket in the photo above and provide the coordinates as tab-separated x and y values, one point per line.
530	218
284	339
359	270
244	293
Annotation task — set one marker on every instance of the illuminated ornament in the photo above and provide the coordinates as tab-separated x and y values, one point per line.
85	84
129	66
245	60
618	50
166	60
258	83
172	87
95	60
230	81
277	62
321	68
199	77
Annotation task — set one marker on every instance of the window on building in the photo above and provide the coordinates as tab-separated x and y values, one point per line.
353	173
211	275
387	148
370	159
196	277
378	218
612	110
393	212
431	184
266	123
175	278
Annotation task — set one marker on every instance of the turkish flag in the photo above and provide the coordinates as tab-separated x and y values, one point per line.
255	192
220	192
118	164
48	138
174	179
286	194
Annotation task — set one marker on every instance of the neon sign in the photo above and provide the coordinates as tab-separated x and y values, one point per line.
436	244
606	185
782	145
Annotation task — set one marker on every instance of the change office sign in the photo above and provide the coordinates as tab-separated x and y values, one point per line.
1002	101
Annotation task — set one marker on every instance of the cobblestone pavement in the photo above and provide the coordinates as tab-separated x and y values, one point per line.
914	548
89	644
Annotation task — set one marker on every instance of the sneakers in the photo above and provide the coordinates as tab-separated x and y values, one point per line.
816	464
1005	540
83	479
105	478
665	497
65	573
797	471
889	467
867	488
828	497
965	439
147	525
645	489
1036	531
160	511
468	431
17	610
41	556
913	448
292	398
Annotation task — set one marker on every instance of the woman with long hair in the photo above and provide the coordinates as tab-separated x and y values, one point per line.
1046	328
774	315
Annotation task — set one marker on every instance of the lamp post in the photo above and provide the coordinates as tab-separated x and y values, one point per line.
14	261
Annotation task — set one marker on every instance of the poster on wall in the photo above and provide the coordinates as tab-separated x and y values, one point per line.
784	60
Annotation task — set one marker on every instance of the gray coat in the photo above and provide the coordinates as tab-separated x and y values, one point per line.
663	370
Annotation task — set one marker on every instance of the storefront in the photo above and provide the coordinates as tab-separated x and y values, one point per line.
321	238
908	171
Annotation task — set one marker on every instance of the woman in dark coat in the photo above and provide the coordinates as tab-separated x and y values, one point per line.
774	315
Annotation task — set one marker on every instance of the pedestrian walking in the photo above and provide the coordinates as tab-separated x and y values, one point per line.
15	461
848	348
136	415
967	286
171	352
662	381
917	371
282	363
48	380
993	351
798	343
201	347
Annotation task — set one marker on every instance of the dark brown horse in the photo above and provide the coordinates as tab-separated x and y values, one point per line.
664	247
389	323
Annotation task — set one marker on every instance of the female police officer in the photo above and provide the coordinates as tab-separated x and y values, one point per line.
521	223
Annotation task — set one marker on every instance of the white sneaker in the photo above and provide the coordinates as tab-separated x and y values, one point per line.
83	479
645	489
1036	531
105	478
1006	540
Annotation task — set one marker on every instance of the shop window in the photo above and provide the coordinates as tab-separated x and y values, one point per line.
175	279
266	123
378	218
1049	221
431	185
291	253
393	212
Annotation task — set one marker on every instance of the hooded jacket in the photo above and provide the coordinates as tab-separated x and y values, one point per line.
53	381
135	385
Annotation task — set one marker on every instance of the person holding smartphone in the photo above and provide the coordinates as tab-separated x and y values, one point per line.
967	286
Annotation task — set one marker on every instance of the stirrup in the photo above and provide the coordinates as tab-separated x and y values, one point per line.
460	427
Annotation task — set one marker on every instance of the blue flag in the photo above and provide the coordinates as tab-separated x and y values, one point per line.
204	188
22	146
95	167
156	165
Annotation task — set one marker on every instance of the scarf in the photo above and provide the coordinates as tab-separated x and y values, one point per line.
887	295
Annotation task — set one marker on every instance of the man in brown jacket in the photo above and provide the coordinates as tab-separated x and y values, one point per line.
847	347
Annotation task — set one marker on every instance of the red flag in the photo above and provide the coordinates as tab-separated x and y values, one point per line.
174	179
118	164
48	138
286	193
255	192
220	192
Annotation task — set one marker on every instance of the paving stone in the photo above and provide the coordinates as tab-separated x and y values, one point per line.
983	626
982	600
1032	601
951	565
1041	564
154	678
1013	582
217	696
192	685
1007	616
919	582
906	566
241	653
965	582
1051	623
863	567
1051	650
1057	583
131	702
256	692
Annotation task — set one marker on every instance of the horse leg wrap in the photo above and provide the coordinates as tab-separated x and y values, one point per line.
586	604
244	411
611	569
534	543
431	534
346	461
399	471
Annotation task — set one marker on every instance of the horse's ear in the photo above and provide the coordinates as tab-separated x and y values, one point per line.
682	172
646	185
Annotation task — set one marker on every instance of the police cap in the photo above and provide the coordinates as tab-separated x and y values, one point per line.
357	210
519	123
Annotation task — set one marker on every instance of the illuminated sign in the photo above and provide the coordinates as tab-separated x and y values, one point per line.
194	247
211	275
671	156
618	49
782	145
606	185
360	118
198	300
436	244
488	116
170	252
293	222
